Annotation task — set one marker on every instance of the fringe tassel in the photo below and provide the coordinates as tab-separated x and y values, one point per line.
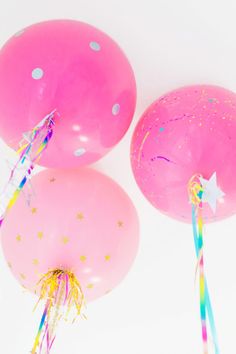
30	154
62	293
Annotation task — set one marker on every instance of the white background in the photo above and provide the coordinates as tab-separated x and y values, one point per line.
170	43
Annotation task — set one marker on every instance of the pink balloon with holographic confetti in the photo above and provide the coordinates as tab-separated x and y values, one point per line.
189	131
78	221
80	72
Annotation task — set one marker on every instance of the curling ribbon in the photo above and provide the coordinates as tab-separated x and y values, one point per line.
195	192
62	293
30	153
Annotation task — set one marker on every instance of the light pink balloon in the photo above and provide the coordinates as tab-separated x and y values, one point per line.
74	68
79	220
188	131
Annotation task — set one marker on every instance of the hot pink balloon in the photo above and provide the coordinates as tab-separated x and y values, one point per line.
79	221
80	72
189	131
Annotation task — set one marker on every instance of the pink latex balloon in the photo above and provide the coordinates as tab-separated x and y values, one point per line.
79	220
74	68
188	131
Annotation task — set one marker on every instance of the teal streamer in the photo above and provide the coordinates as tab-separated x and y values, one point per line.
207	296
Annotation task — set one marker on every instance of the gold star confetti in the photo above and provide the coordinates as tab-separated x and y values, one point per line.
90	286
39	275
120	223
34	210
40	235
35	262
65	240
107	258
18	238
83	258
80	216
22	276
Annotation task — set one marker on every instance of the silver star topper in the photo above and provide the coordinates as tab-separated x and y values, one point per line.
211	192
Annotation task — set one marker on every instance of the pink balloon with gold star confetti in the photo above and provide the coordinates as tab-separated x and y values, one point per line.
79	221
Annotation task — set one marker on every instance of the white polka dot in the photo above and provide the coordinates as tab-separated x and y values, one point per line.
116	109
19	33
79	152
37	73
95	46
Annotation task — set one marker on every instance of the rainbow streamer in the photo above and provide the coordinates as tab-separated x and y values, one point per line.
30	153
62	293
195	192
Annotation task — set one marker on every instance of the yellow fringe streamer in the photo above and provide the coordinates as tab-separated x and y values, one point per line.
62	292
